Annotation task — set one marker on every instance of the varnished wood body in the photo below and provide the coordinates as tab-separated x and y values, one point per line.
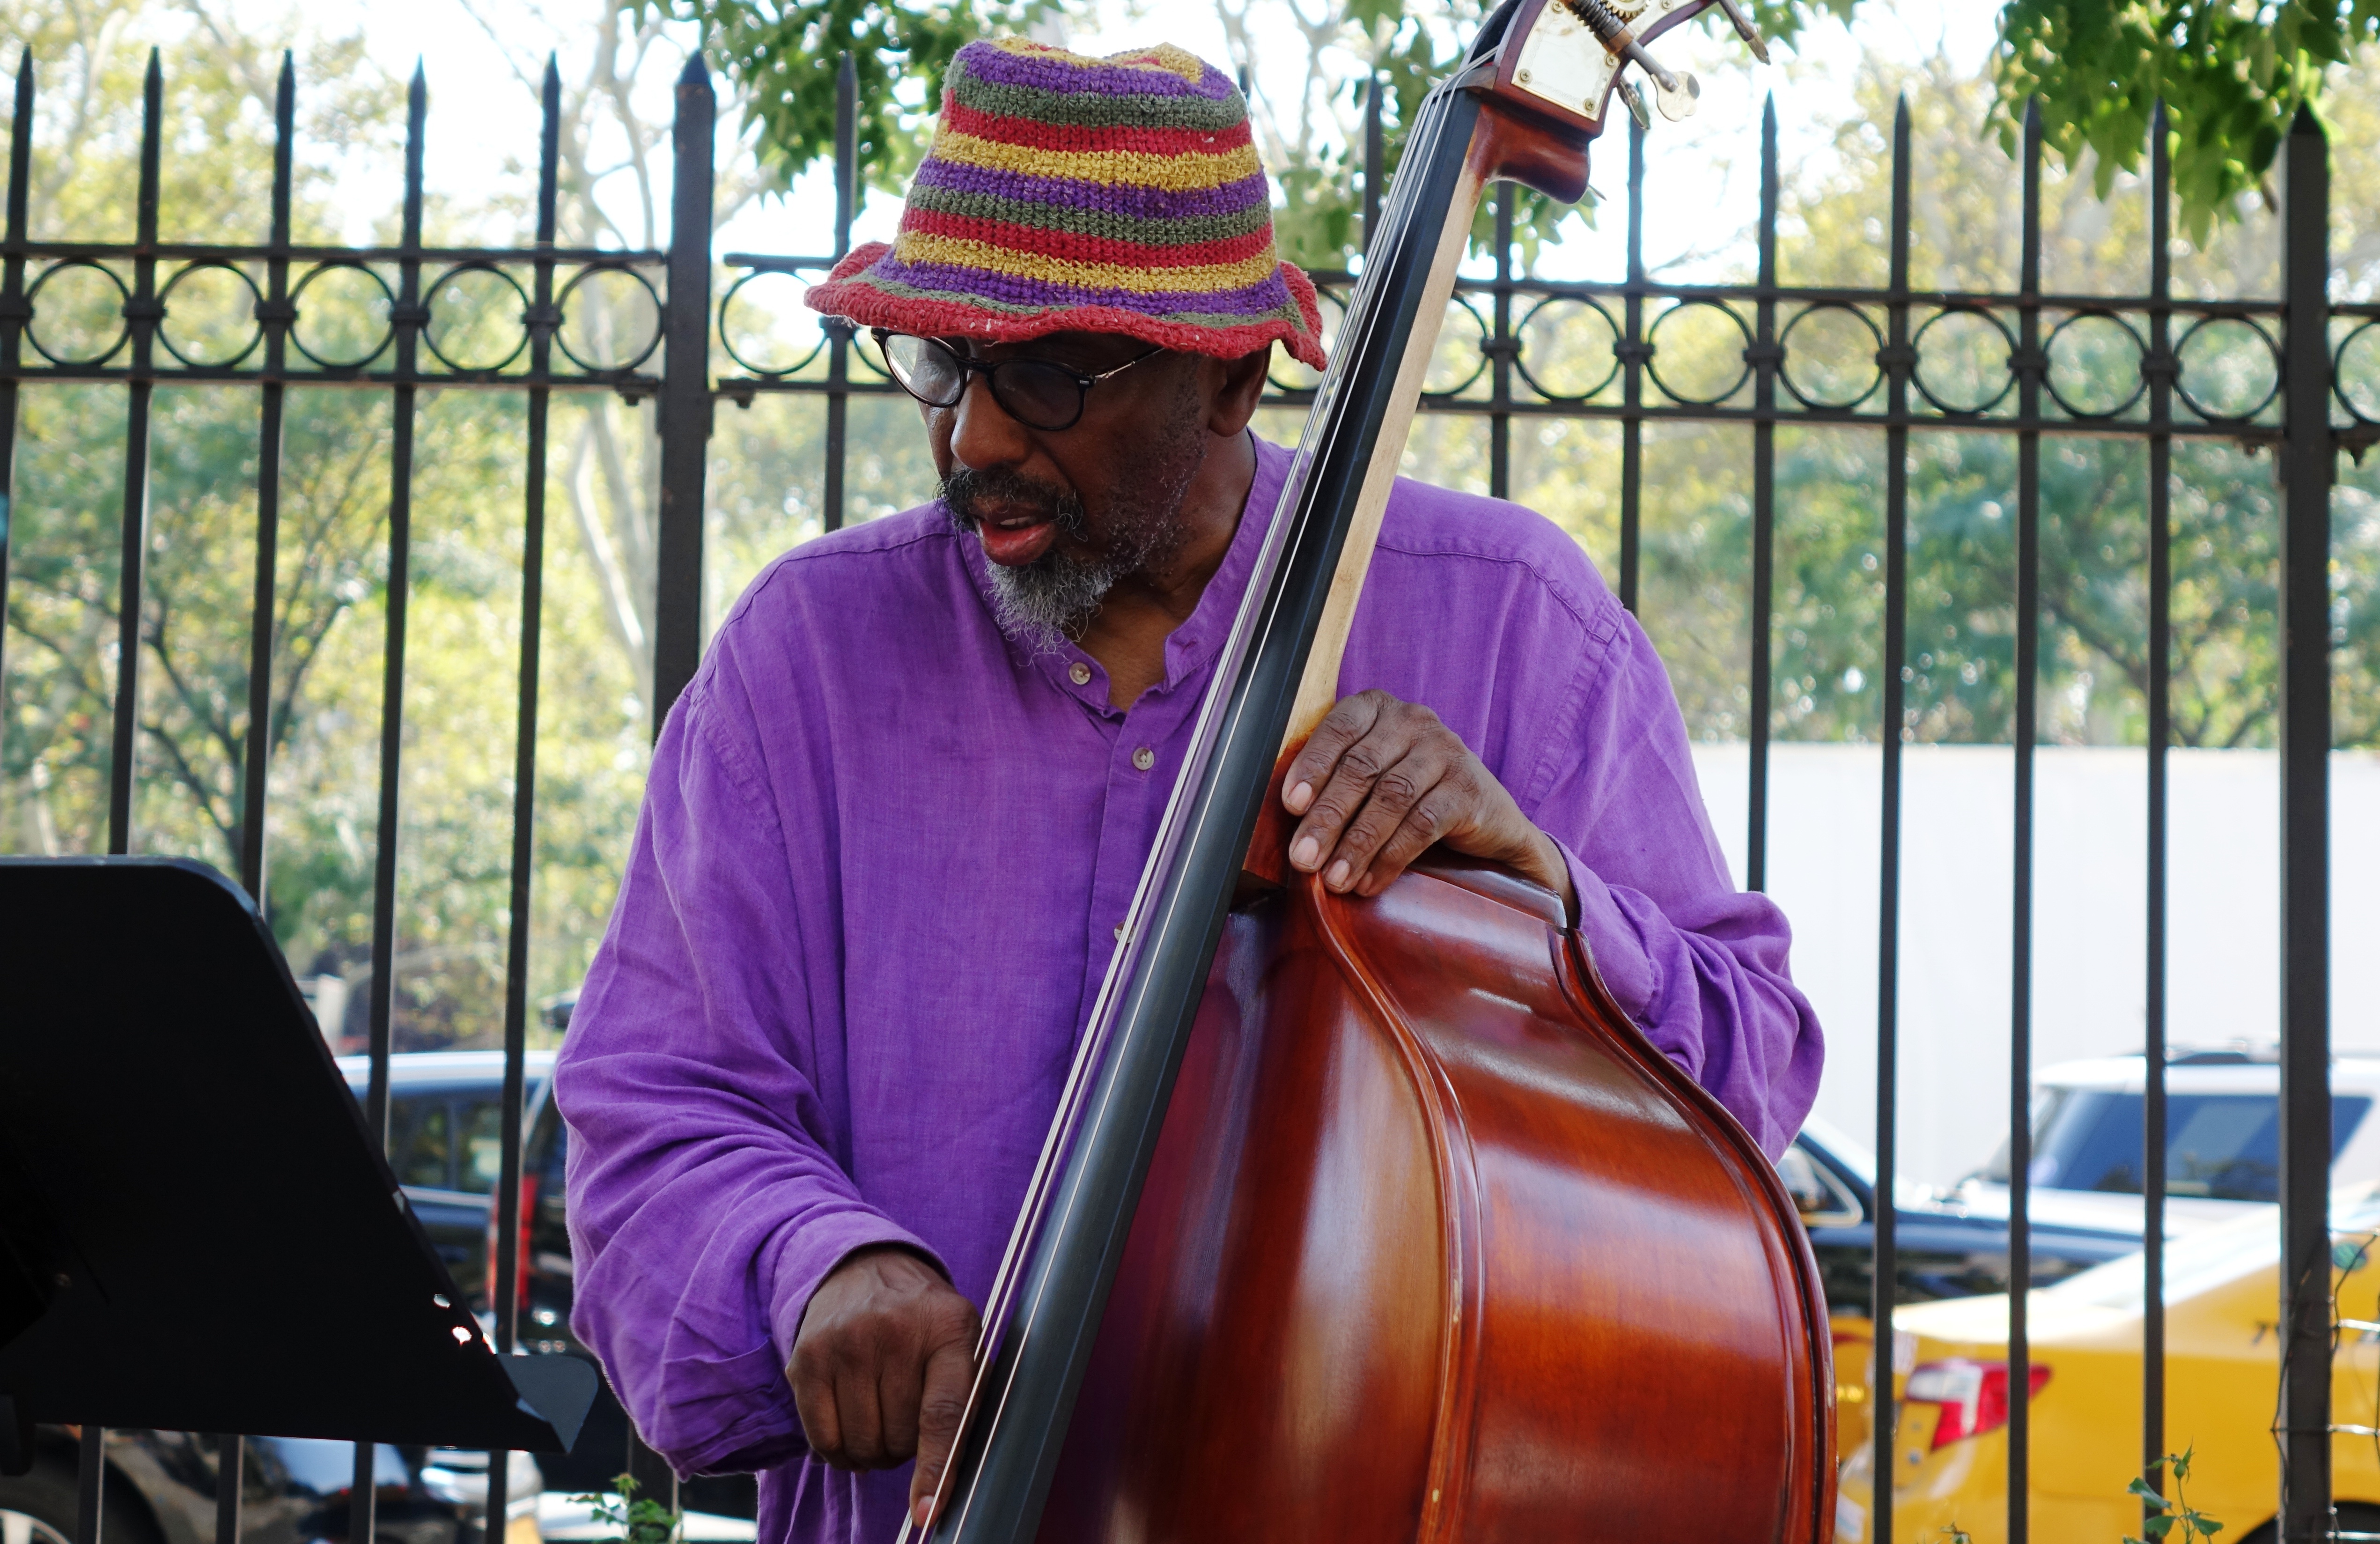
1436	1248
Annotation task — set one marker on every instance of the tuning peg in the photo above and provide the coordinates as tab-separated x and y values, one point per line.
1678	96
1746	30
1635	100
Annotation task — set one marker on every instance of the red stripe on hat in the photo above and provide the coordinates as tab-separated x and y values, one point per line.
1007	130
1085	249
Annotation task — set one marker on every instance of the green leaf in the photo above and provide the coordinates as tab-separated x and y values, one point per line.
2159	1526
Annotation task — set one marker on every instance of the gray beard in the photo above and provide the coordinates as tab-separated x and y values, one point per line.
1048	603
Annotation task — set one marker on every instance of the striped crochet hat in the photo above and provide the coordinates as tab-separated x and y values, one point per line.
1064	193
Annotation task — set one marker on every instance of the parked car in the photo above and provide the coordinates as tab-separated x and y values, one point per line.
2222	1137
445	1130
2222	1376
1939	1250
161	1490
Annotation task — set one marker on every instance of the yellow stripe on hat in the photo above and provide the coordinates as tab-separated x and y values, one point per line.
1176	174
959	252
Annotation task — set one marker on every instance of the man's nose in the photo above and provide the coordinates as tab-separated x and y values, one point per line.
982	434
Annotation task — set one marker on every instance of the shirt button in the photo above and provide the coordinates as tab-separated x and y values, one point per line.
1144	758
1079	673
1119	932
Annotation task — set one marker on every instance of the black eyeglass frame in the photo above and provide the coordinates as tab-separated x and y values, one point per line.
991	371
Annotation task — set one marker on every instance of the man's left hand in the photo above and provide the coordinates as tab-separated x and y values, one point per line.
1381	781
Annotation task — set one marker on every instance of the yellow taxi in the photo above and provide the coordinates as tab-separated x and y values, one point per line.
1950	1454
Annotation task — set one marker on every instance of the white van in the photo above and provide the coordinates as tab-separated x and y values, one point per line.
2222	1137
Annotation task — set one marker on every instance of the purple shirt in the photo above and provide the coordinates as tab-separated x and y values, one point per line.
878	877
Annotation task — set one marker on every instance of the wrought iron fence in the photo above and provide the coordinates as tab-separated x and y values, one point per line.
2024	363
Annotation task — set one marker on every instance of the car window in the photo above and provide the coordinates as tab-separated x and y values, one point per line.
419	1141
1819	1196
481	1153
2224	1146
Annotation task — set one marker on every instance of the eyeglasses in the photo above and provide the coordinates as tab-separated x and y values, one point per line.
1038	393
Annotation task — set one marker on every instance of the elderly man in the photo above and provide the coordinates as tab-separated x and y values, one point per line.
895	821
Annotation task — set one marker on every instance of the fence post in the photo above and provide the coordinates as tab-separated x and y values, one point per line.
2307	461
143	311
686	394
14	313
838	332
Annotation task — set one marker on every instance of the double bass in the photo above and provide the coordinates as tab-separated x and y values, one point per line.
1375	1219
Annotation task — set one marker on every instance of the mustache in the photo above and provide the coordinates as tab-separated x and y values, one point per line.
965	489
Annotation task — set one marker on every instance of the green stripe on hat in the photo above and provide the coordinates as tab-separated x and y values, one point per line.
1102	222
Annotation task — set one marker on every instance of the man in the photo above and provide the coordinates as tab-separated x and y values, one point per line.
895	822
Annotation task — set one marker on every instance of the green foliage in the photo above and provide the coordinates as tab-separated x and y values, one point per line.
2162	1516
329	604
2232	75
784	58
1952	1533
639	1520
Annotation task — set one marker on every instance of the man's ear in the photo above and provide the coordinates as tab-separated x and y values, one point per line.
1234	401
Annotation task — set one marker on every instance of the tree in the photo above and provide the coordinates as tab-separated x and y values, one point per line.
331	594
2232	75
2096	658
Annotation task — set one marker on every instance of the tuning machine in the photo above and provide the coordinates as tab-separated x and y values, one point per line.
1746	30
1677	95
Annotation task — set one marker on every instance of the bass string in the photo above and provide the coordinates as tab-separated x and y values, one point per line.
1248	628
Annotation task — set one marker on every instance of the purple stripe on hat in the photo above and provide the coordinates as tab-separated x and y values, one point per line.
966	284
1133	203
1056	74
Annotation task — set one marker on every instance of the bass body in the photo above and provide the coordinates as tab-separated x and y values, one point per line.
1437	1247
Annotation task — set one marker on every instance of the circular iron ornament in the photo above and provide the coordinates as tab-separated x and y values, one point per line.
1917	372
2362	412
2139	357
1785	365
868	354
1520	359
430	295
1304	378
255	296
1653	343
561	307
388	329
2181	390
726	338
124	325
1478	350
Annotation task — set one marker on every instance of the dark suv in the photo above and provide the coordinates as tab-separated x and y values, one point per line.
1939	1249
446	1135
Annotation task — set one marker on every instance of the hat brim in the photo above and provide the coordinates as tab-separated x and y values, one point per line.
861	290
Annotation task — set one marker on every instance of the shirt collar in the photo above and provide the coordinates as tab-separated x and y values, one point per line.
1192	646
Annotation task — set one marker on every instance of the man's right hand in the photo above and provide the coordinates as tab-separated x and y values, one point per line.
880	1367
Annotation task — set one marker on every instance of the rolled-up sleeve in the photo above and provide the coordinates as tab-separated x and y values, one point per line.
1699	966
708	1185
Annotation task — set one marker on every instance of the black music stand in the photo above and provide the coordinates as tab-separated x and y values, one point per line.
197	1231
